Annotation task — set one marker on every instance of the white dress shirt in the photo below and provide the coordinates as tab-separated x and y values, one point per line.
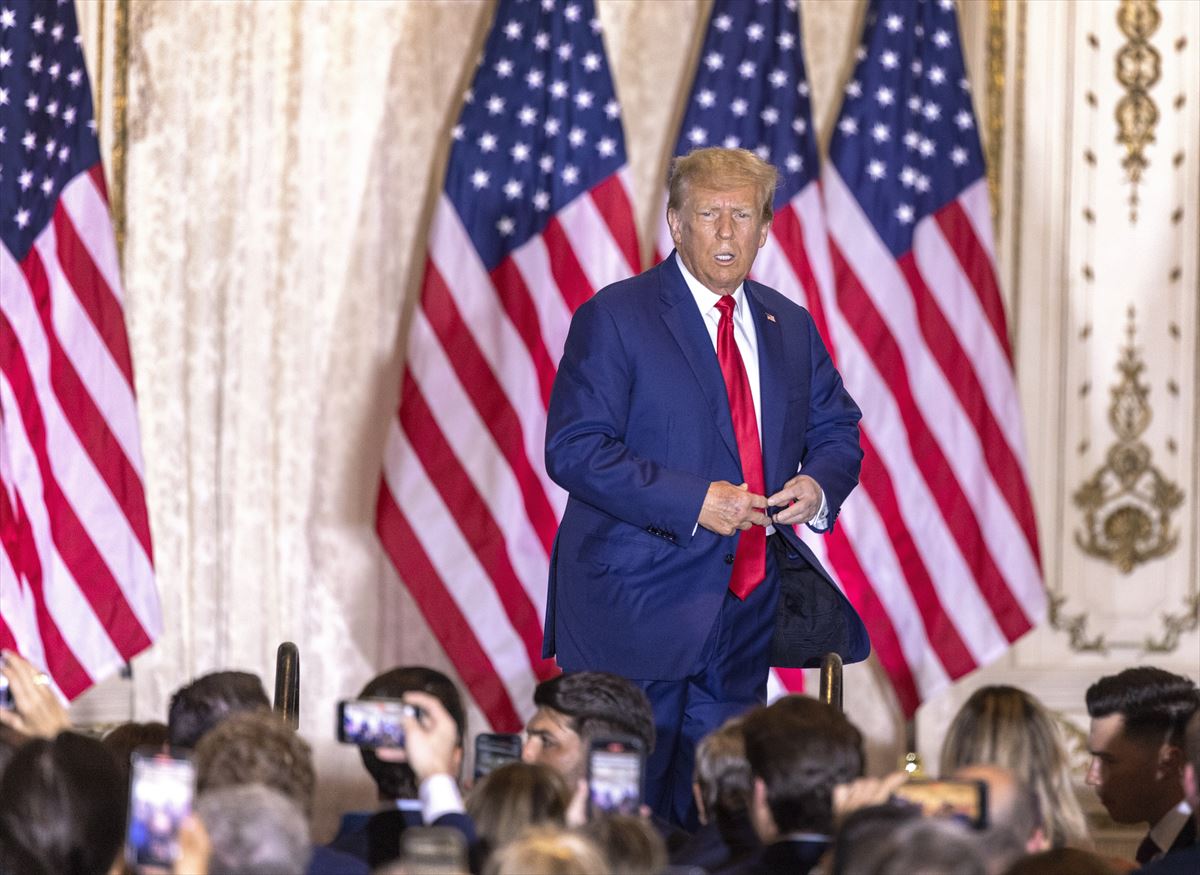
746	336
1170	825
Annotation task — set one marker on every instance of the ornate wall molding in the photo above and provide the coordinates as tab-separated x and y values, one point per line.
1127	502
1138	68
996	80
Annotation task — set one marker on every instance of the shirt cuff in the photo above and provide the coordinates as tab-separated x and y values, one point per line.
820	522
439	795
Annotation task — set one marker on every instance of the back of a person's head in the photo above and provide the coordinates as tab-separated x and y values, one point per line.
124	739
929	846
548	851
10	741
865	834
396	780
254	830
1008	727
723	774
1155	703
801	748
62	808
206	701
257	747
599	704
1013	818
516	796
1061	861
631	846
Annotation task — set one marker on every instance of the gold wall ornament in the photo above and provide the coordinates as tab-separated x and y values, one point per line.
1075	625
1139	67
1127	503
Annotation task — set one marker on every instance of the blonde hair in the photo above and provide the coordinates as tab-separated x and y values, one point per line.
1005	726
548	851
516	796
718	168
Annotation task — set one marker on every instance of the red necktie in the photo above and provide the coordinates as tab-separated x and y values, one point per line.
750	561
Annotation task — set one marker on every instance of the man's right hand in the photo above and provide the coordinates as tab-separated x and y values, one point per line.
728	508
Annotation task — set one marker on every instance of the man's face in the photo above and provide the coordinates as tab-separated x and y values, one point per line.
718	232
549	739
1128	773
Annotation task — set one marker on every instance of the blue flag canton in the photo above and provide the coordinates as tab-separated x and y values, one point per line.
541	124
751	91
906	141
47	132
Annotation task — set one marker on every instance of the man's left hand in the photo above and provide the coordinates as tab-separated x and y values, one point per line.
800	499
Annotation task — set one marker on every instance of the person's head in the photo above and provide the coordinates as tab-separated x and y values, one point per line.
547	851
1008	727
254	830
206	701
722	783
516	796
798	749
577	707
719	209
62	808
1136	741
394	778
257	748
1014	826
928	846
630	845
1061	861
124	739
864	836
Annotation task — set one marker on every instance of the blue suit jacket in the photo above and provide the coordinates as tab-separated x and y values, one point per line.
638	427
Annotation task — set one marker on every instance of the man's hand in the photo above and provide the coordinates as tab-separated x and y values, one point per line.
800	499
728	508
431	740
863	792
37	712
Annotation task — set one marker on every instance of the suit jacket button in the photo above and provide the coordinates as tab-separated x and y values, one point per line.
728	558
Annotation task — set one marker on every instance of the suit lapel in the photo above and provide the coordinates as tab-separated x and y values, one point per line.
772	388
687	327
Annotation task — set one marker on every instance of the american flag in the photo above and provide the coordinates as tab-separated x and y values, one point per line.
534	217
77	591
751	92
939	546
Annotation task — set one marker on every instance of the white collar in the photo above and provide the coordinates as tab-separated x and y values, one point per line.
706	298
1170	825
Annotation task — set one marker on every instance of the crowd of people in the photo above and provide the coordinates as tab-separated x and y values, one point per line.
779	789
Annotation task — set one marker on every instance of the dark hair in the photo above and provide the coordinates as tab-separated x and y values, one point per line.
932	846
1061	861
863	837
599	704
124	739
206	701
1191	742
1155	703
62	808
257	748
396	780
10	742
801	748
724	778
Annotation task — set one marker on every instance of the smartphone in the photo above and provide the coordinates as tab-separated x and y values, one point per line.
616	768
433	850
161	787
6	698
960	799
494	749
373	722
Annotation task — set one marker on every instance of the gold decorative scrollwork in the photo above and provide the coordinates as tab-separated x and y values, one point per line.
1127	502
1139	67
1075	625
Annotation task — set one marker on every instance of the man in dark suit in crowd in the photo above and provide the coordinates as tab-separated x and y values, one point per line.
1186	861
799	749
695	418
1136	742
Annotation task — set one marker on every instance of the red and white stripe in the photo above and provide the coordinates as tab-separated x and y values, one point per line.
77	590
939	537
466	507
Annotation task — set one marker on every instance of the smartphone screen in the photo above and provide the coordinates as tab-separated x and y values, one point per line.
494	749
372	722
615	770
960	799
160	797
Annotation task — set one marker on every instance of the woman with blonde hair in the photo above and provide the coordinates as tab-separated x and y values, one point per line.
1006	726
516	796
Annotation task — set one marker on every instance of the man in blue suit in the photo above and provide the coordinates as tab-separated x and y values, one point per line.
696	417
